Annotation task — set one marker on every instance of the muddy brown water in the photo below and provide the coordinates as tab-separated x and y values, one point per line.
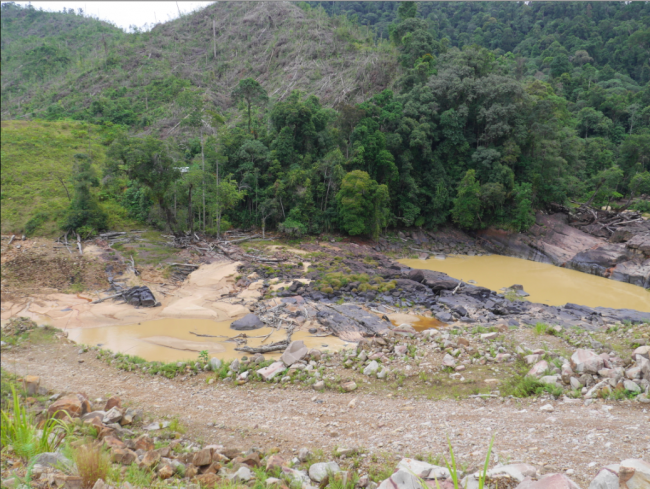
170	340
545	283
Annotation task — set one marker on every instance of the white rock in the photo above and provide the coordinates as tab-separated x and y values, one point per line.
516	471
112	416
631	386
317	472
643	351
448	361
402	479
272	370
549	379
423	469
607	478
295	352
540	368
575	383
547	408
371	368
586	362
243	474
489	336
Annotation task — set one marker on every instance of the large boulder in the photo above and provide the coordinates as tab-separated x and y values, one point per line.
247	323
586	362
635	473
295	352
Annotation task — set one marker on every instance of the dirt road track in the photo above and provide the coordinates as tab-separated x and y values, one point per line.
573	436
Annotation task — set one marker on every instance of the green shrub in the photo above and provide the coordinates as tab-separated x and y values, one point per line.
19	430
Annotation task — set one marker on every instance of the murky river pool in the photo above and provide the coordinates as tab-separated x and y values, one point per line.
169	340
545	283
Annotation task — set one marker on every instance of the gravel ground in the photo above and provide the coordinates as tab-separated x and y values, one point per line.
573	436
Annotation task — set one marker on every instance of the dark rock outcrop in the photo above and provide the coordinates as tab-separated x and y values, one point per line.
140	296
553	240
247	323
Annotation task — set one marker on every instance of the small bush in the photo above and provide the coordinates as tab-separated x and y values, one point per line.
92	464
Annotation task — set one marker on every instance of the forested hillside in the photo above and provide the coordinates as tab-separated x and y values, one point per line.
612	33
282	116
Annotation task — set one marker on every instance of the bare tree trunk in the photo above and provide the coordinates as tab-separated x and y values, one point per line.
64	187
214	38
217	194
203	176
190	215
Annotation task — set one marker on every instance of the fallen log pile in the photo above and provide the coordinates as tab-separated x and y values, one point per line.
603	223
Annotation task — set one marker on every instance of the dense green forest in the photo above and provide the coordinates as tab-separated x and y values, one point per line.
468	113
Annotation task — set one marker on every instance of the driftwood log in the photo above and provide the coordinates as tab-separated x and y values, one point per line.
277	346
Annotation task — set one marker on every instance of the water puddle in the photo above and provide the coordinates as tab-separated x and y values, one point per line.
170	340
419	323
423	323
545	283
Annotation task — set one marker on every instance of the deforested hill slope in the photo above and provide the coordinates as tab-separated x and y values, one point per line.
40	47
134	79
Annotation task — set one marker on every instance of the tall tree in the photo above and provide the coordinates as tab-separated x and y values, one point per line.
149	162
252	92
84	211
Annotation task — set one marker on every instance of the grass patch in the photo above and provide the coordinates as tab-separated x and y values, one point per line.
527	386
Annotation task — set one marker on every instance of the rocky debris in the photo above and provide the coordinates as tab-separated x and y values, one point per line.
18	326
247	323
594	374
